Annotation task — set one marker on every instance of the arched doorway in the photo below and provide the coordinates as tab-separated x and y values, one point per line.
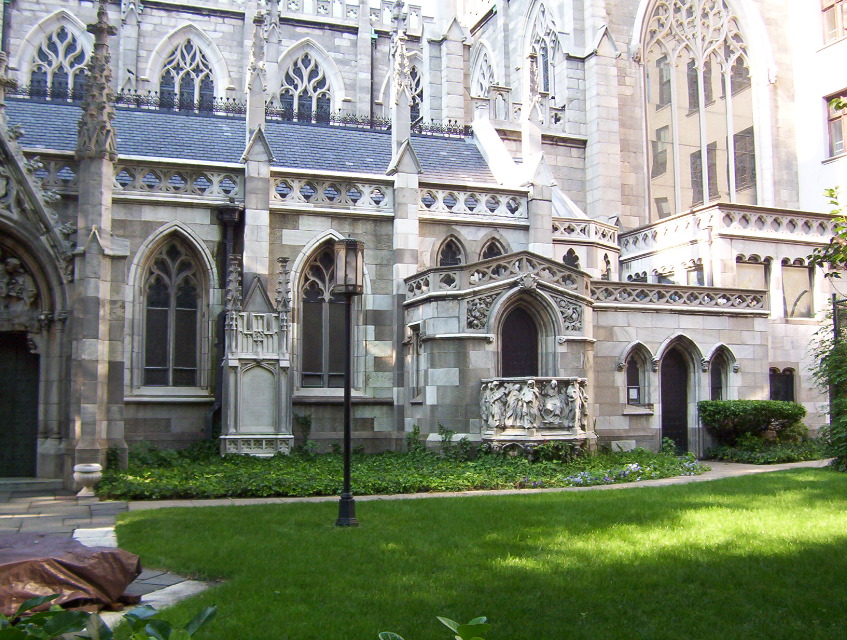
519	345
19	399
674	385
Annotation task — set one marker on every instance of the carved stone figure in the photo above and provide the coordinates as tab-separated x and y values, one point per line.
18	290
551	412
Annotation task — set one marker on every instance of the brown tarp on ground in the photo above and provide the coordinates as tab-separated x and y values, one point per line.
39	564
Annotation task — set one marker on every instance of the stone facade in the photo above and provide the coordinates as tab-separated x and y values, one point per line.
174	178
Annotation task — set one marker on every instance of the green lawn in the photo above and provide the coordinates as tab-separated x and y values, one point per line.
753	557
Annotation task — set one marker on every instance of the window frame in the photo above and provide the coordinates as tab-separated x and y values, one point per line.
836	119
201	297
838	10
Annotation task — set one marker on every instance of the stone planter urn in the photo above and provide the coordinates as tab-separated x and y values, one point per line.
87	476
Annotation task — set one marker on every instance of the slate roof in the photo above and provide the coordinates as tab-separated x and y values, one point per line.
160	134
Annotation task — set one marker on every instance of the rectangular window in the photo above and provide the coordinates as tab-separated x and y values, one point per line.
696	160
797	290
660	151
712	160
695	277
834	19
415	364
836	125
663	207
664	73
634	393
782	385
745	159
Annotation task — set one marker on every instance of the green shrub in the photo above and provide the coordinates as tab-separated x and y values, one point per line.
728	420
752	450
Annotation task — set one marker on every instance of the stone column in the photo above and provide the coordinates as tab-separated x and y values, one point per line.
97	327
603	152
540	211
453	75
406	169
128	51
365	53
257	159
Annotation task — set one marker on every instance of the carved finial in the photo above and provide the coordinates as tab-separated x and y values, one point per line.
96	136
282	300
533	76
257	53
401	77
233	285
6	82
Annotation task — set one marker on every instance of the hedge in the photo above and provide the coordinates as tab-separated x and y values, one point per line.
729	420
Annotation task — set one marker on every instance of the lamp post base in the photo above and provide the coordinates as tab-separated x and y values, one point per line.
346	511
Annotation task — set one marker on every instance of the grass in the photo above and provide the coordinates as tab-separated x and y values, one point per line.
750	557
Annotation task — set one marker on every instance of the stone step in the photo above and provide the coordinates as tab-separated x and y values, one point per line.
30	486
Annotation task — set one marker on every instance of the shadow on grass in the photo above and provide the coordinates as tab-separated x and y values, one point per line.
754	557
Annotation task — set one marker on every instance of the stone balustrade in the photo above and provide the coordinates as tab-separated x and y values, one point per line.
60	174
523	267
583	230
452	202
163	180
729	220
699	298
341	11
306	192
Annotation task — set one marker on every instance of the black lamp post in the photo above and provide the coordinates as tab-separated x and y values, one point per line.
349	280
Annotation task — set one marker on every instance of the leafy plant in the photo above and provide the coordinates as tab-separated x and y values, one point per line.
751	450
413	441
473	630
141	623
45	624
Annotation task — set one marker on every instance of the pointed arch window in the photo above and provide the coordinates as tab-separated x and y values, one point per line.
545	43
519	344
58	68
493	249
305	94
187	82
483	76
172	303
451	254
635	367
718	376
322	316
699	120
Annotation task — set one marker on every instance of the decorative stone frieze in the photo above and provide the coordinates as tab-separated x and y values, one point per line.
478	310
523	413
571	313
18	290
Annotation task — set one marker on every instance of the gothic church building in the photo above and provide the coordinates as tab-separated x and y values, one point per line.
580	217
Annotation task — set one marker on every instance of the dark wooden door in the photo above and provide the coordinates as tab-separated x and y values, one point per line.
519	344
675	398
18	406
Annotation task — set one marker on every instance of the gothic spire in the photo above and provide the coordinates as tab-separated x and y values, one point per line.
96	136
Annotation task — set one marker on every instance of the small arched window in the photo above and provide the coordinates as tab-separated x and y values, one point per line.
172	296
451	254
635	368
492	249
718	374
305	92
187	80
571	259
322	318
58	67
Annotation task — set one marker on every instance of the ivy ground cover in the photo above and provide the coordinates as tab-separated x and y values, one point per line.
752	557
169	475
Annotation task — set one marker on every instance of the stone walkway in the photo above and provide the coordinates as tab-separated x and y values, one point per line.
92	522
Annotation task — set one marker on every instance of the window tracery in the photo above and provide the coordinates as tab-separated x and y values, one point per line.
483	76
187	81
59	66
451	254
305	93
544	41
700	108
492	249
322	316
172	303
416	87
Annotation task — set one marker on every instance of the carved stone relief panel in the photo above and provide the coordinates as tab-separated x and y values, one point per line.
478	311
